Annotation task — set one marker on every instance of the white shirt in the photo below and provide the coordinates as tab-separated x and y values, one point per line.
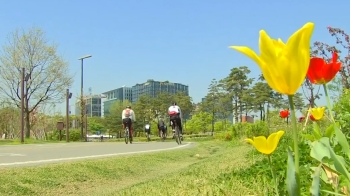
175	108
132	115
147	126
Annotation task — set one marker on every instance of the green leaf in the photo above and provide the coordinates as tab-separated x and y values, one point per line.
292	185
342	140
339	163
308	137
333	193
319	151
316	129
315	186
329	131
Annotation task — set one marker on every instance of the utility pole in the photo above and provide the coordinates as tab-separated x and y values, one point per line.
22	105
68	96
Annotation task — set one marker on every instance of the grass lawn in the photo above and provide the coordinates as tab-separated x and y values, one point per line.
27	141
194	171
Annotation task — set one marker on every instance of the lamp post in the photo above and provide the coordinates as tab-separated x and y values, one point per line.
24	78
82	103
68	96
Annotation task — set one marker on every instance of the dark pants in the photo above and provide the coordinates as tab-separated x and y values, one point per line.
162	129
176	119
127	122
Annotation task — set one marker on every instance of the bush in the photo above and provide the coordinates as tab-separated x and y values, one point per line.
74	135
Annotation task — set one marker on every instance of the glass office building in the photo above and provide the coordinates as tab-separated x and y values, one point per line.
92	106
152	87
112	96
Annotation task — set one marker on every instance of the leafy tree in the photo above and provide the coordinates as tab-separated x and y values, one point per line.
49	73
96	124
199	122
113	121
235	84
144	111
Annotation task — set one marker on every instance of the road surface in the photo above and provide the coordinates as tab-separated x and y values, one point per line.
39	154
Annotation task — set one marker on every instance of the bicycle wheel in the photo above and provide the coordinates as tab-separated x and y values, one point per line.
126	135
177	135
130	136
163	136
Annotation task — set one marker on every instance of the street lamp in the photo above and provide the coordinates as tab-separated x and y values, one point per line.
24	78
68	96
81	96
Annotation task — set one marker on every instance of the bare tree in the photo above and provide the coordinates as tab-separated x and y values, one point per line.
49	74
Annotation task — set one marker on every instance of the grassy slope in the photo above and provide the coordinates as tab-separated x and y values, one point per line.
181	172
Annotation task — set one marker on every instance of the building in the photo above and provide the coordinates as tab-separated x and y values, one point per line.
152	87
92	106
112	96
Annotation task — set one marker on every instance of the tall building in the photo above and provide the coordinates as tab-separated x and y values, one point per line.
92	106
152	87
121	94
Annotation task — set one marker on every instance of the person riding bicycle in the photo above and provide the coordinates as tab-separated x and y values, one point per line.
175	114
148	128
128	116
161	127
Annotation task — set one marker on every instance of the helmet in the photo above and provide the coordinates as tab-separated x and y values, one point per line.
174	103
128	107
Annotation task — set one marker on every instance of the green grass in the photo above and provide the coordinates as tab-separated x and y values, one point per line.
26	141
194	171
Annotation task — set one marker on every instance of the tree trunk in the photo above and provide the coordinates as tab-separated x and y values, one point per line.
236	112
27	122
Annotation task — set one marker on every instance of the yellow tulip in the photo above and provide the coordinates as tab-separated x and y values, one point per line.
283	65
317	113
266	146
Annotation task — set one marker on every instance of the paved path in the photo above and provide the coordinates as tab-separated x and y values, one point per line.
39	154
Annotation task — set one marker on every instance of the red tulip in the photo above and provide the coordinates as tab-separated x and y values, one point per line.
301	119
320	72
284	113
312	117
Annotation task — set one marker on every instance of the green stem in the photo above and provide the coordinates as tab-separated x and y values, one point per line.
295	138
273	174
328	102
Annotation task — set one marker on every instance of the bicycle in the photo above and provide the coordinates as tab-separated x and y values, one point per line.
177	132
148	136
127	134
163	135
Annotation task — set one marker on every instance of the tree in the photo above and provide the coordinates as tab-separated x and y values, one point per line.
235	84
96	124
309	92
113	121
49	74
199	122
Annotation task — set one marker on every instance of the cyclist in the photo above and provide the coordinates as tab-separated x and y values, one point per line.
128	116
161	127
175	114
148	129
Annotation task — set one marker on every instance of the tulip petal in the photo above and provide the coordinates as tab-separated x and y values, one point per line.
248	52
267	48
317	113
330	71
260	144
273	140
269	51
315	71
298	45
